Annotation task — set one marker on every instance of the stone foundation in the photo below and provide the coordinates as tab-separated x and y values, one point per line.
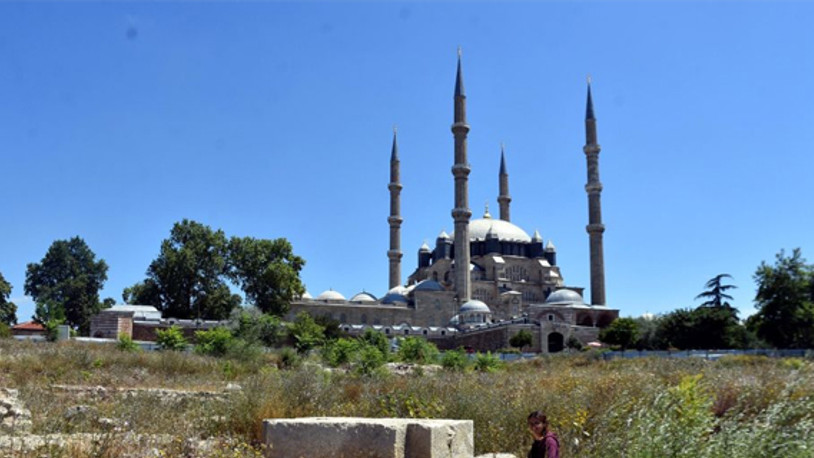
344	437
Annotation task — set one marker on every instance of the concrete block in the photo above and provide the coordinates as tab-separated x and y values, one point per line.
346	437
439	439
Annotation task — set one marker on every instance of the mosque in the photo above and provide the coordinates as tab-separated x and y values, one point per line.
509	280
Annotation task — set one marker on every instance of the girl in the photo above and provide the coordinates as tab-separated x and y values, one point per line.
546	444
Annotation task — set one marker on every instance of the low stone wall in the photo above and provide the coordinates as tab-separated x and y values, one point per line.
346	437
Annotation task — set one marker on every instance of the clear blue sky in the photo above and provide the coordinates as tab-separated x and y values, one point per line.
274	119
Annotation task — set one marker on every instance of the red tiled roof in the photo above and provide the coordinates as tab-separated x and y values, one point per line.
28	326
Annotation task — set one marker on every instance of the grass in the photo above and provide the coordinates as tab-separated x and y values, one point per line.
734	407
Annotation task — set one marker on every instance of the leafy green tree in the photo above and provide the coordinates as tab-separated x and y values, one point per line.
487	362
647	325
622	333
675	330
213	342
66	283
171	339
186	280
255	327
341	351
417	350
306	332
378	340
268	271
523	338
785	302
5	331
8	310
715	294
455	360
369	359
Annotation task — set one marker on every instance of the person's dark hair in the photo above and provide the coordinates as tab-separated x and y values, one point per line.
539	416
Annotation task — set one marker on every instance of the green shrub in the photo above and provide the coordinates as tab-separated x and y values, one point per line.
378	340
369	359
5	331
523	338
52	329
417	350
170	339
487	362
289	358
306	332
126	343
213	342
340	351
455	360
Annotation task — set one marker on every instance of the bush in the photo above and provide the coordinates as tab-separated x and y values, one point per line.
455	360
126	344
417	350
5	331
170	339
255	327
340	352
289	358
306	332
523	338
213	342
487	362
378	340
369	359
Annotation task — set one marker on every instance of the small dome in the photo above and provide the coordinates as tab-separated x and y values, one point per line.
475	305
564	296
330	295
428	285
424	248
394	298
397	290
550	246
443	235
306	295
537	237
364	296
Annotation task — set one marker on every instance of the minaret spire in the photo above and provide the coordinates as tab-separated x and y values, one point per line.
460	170
595	227
503	197
394	253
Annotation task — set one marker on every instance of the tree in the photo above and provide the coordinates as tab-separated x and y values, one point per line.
716	292
523	338
8	310
186	280
267	271
785	302
65	284
306	332
622	332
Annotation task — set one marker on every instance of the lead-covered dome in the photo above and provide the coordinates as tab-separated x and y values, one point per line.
364	296
504	230
330	295
474	306
428	285
564	296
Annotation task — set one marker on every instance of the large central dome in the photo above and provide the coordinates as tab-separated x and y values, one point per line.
478	228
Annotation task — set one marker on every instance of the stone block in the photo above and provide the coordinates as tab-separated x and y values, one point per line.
346	437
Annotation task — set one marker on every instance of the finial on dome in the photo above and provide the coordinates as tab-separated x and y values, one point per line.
486	214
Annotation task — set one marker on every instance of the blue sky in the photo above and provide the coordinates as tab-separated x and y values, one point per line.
274	119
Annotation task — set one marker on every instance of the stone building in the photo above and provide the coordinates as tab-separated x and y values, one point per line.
510	281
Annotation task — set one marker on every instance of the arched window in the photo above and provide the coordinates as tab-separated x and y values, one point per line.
364	319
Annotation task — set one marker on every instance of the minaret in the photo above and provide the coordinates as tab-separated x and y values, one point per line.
394	253
460	170
595	227
503	198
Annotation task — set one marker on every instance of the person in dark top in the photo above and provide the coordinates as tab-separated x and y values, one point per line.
546	444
